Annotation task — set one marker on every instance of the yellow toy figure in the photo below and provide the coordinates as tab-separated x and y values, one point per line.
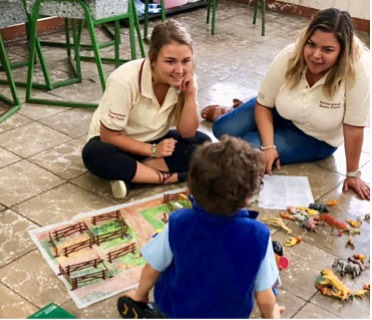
292	241
354	223
329	285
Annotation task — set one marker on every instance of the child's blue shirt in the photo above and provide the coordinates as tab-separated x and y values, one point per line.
211	265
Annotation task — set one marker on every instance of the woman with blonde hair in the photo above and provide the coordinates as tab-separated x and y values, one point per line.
129	137
314	97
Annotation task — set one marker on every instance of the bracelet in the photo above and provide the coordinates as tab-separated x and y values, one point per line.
273	146
153	150
353	174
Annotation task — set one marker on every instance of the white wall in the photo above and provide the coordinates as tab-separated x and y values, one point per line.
357	8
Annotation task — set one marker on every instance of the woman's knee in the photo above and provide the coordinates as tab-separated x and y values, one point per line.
201	137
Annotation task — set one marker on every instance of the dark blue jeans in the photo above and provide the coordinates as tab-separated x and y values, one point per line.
293	145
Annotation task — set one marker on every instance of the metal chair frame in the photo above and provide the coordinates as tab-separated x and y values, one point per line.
76	36
14	103
213	4
146	18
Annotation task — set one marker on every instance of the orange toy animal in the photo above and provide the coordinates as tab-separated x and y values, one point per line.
333	223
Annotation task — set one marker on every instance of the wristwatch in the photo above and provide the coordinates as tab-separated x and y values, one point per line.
353	174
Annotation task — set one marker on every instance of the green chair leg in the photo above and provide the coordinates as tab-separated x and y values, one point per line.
263	4
14	103
212	3
146	18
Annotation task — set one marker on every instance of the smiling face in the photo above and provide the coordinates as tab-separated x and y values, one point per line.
321	52
173	62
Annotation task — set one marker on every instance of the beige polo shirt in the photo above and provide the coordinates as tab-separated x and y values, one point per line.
129	104
309	109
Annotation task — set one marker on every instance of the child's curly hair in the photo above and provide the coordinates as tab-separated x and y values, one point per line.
223	175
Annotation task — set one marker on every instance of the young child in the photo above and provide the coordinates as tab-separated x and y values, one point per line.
211	260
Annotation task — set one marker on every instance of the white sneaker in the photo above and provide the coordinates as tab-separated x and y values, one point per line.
119	189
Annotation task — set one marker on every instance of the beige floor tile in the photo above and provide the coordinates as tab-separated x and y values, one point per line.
311	311
63	160
222	93
14	239
7	157
16	120
36	112
13	306
88	91
105	309
32	278
284	298
60	204
356	309
30	139
73	122
23	180
337	162
20	74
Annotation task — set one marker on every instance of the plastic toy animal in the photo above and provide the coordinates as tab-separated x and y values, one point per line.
310	224
281	261
354	223
353	231
367	217
319	206
292	241
350	242
285	215
333	223
277	222
361	293
330	285
301	216
367	286
302	211
332	203
357	262
360	257
346	267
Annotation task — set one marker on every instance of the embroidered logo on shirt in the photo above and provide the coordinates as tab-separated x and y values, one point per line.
116	116
329	105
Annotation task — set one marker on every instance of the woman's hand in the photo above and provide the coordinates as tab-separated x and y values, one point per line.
165	148
358	185
270	157
187	86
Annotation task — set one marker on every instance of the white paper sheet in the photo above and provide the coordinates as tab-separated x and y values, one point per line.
279	192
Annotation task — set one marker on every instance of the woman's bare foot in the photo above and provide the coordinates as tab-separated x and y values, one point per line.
214	111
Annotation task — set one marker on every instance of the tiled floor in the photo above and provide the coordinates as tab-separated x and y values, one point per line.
43	180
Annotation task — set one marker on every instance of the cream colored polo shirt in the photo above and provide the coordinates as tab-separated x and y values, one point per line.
309	109
129	104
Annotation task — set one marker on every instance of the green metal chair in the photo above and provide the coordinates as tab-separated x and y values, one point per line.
146	18
263	10
213	4
12	12
48	84
94	13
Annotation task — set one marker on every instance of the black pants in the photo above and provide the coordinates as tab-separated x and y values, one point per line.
111	163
